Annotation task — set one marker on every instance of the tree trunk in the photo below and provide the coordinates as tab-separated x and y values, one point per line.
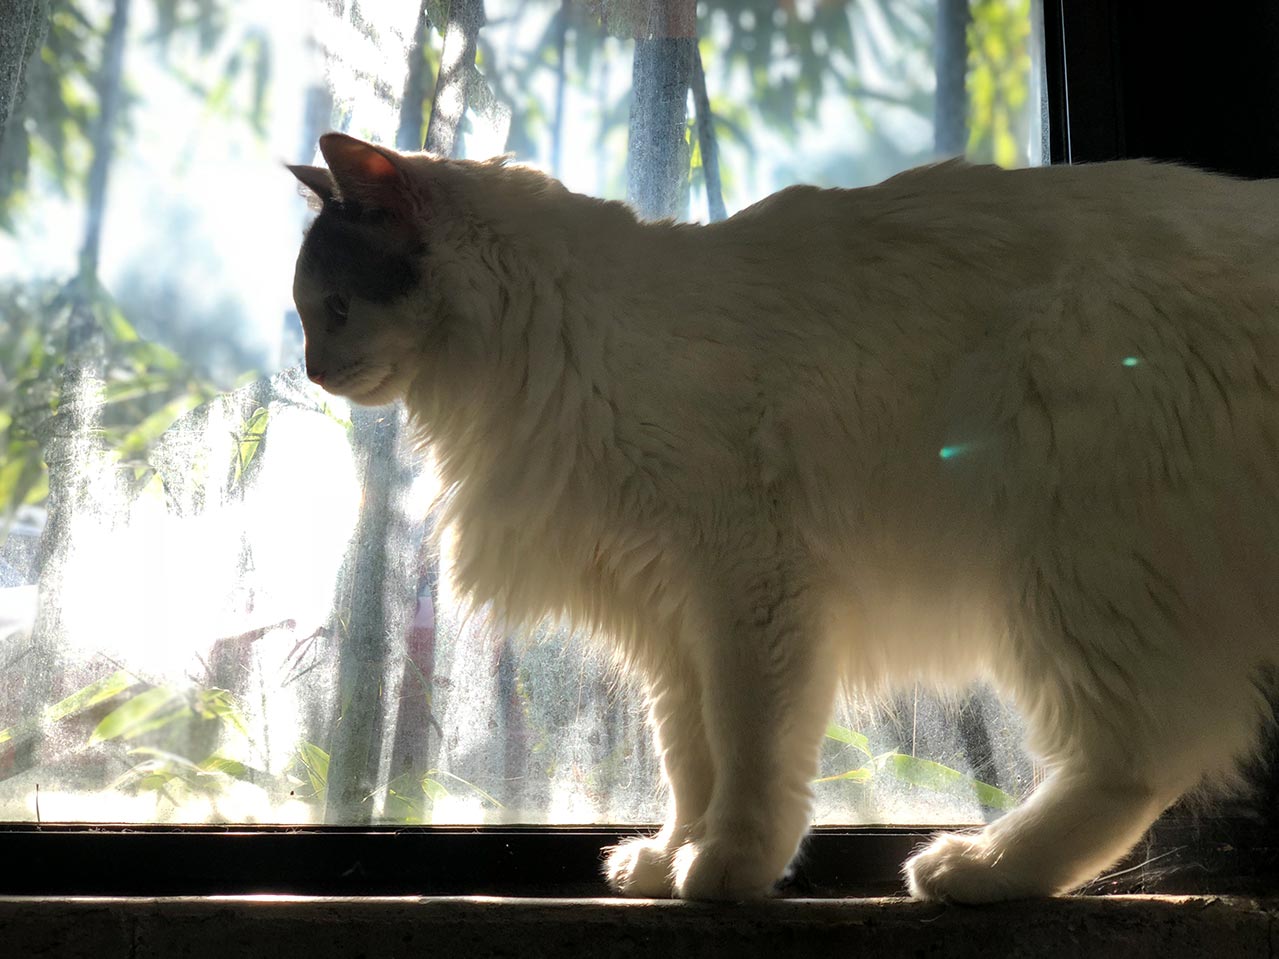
457	63
658	154
379	587
109	90
380	597
417	87
950	105
602	105
707	142
561	78
69	437
26	22
412	748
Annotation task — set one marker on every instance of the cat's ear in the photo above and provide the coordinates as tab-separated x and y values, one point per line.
368	174
316	179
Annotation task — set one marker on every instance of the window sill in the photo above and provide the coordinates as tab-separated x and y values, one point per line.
281	927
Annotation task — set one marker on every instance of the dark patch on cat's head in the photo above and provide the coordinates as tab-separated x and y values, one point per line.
369	254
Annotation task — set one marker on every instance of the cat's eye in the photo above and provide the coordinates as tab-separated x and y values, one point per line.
337	308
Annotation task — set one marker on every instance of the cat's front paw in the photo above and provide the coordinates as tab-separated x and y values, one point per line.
641	868
722	872
965	869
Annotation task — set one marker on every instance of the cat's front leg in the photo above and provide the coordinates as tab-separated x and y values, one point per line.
644	866
767	698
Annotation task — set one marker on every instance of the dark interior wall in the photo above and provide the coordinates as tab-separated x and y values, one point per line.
1202	86
1171	81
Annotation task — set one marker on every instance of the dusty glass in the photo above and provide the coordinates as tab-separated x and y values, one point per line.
219	600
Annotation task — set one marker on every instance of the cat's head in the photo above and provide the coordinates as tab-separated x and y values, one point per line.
359	278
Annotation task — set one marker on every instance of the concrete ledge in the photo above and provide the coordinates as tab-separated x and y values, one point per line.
1130	927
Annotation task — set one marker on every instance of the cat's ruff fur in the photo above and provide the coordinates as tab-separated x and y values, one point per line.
968	422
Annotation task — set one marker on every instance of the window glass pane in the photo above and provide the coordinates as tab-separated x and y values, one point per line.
219	600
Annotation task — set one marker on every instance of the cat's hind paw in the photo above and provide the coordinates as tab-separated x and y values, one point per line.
964	869
641	868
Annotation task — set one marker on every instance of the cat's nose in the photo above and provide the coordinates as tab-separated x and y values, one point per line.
315	376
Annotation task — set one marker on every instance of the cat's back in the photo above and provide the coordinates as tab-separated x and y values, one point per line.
938	256
1133	202
1124	314
1146	359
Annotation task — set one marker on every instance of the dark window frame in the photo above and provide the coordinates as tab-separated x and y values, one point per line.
1109	64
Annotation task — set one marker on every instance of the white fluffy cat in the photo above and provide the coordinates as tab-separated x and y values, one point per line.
969	422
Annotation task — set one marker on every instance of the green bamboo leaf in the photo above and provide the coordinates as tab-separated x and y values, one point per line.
862	774
91	695
155	780
250	441
343	421
10	473
161	758
218	763
82	699
219	704
117	327
852	738
464	782
38	491
135	386
180	713
137	715
316	762
144	434
157	357
933	775
434	789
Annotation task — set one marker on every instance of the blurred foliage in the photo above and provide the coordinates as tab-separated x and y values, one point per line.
155	730
51	139
160	727
773	67
798	54
789	56
999	64
793	57
51	130
913	770
408	798
145	386
78	703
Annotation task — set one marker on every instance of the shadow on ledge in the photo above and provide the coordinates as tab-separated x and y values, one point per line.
1131	927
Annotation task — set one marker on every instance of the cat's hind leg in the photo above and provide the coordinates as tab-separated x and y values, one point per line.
644	866
1133	710
1076	824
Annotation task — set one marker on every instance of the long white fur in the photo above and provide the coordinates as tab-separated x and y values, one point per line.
968	422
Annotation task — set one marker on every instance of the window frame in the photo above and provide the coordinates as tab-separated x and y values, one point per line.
1091	115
